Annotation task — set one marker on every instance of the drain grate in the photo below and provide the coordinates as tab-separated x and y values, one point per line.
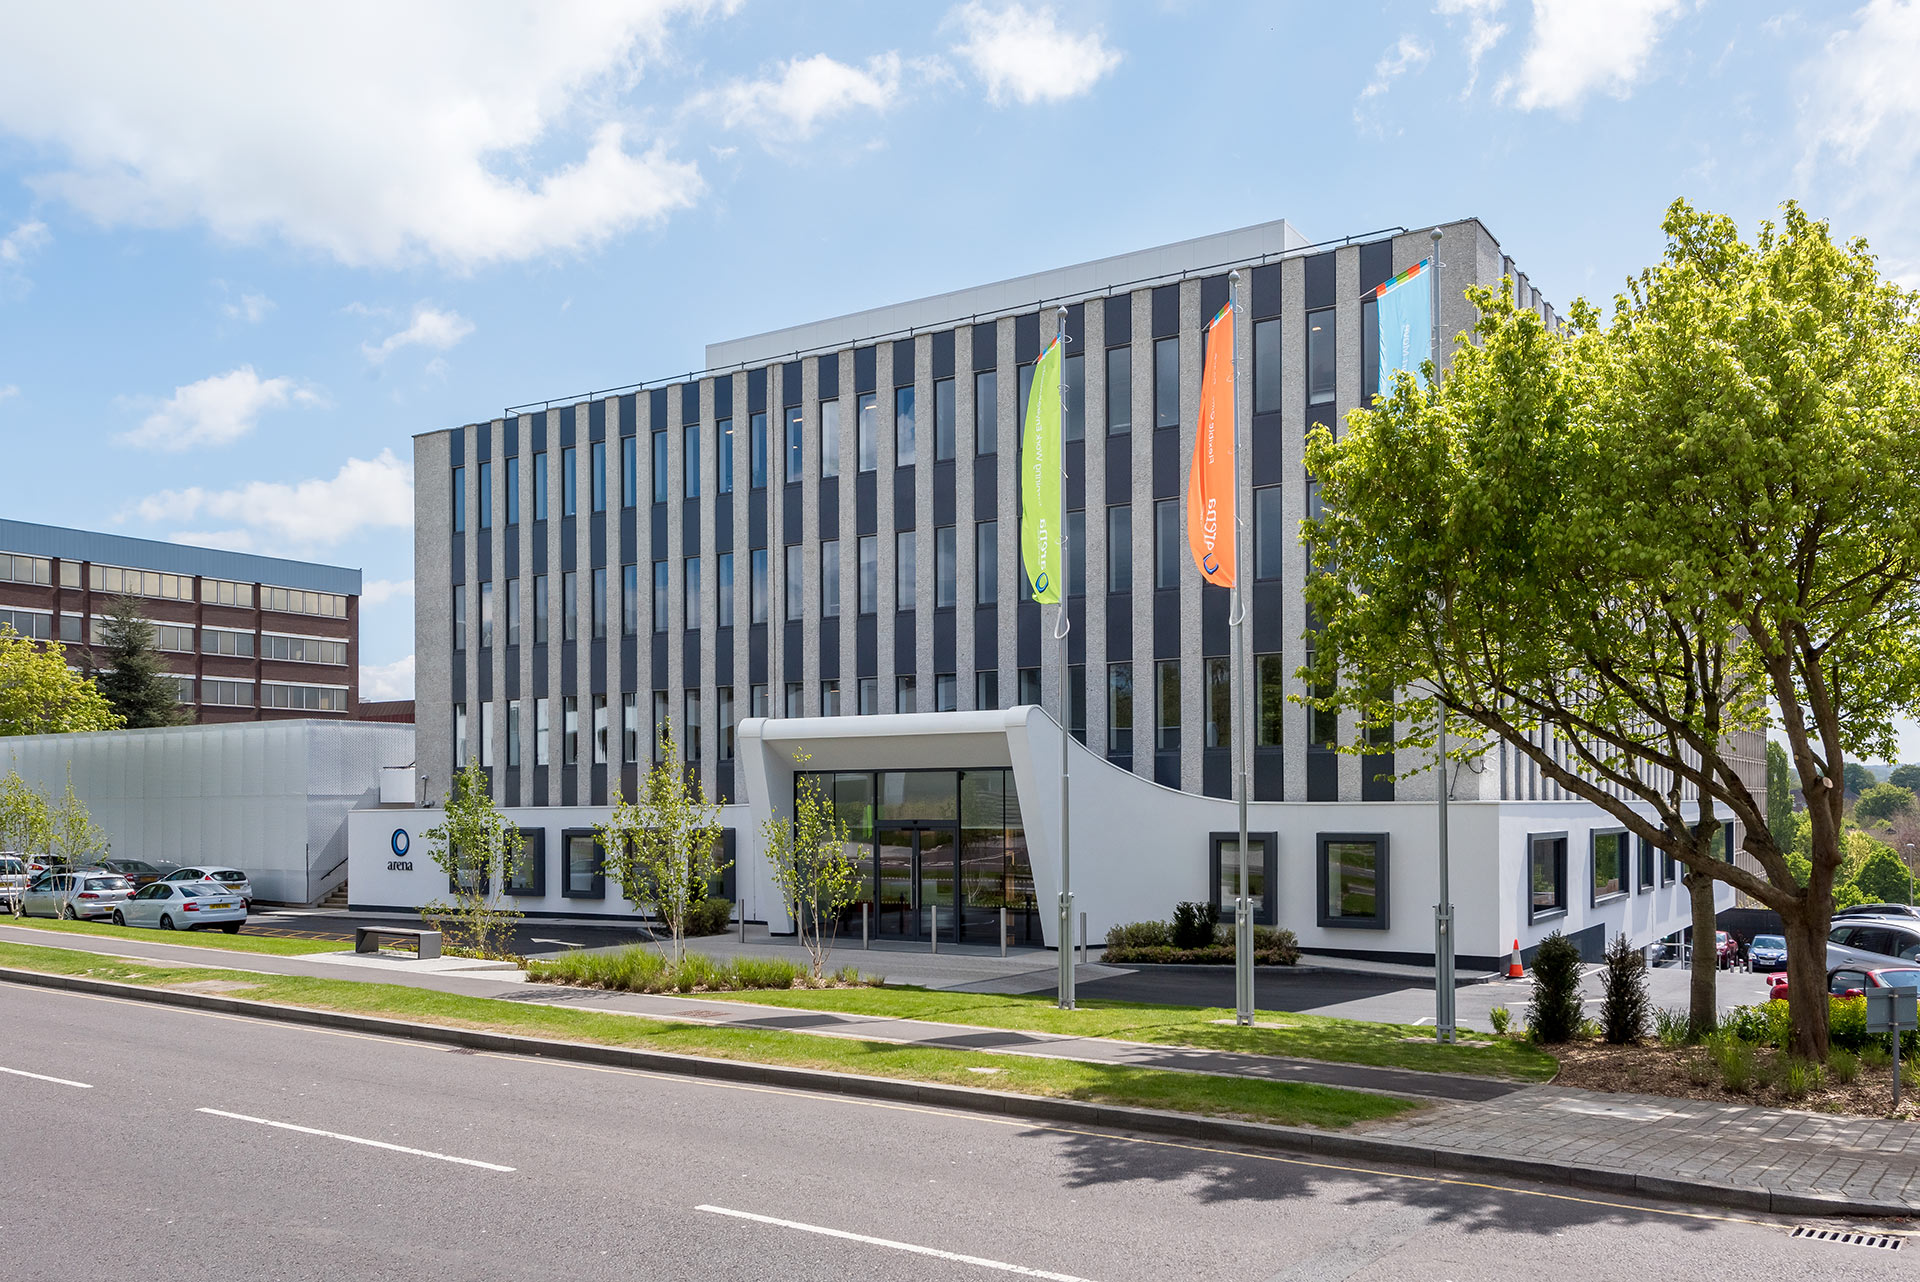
1844	1237
462	1050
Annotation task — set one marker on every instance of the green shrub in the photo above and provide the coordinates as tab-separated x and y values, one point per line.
1625	1008
1875	1056
1763	1025
1140	934
1193	924
1800	1078
1734	1059
1843	1064
709	916
643	970
1554	1013
1670	1027
1502	1020
1275	947
764	972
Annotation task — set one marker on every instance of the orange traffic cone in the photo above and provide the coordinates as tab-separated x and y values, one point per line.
1514	969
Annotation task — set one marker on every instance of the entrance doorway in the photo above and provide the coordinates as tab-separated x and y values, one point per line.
915	869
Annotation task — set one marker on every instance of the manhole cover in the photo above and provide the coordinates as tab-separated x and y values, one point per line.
1846	1237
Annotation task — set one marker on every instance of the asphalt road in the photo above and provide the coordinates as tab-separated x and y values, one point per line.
417	1161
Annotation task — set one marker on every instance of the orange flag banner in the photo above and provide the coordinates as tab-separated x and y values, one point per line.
1211	480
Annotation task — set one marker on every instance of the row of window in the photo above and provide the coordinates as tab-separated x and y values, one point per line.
122	581
1613	870
37	570
178	638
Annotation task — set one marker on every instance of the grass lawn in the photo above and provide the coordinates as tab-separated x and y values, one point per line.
1347	1041
240	943
1286	1103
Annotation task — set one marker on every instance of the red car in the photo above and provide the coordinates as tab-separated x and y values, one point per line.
1726	950
1853	981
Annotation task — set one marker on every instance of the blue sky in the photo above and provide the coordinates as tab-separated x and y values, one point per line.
246	252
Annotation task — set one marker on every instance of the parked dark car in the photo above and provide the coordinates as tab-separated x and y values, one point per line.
1878	910
1767	952
139	871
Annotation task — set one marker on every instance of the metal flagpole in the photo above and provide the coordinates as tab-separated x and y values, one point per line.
1443	1022
1238	687
1060	629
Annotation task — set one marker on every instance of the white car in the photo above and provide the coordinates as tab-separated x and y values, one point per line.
13	879
183	906
231	880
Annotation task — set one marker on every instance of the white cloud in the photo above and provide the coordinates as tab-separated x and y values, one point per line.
803	94
380	591
217	410
1580	47
252	308
365	494
430	327
1483	33
1406	54
1025	57
230	540
383	134
387	680
23	242
8	391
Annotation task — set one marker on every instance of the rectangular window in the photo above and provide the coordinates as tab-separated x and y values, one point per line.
629	600
540	611
830	698
459	735
598	458
1166	543
37	570
1119	707
600	730
222	641
513	613
1352	874
486	496
757	584
906	698
542	730
1323	724
1271	704
830	578
946	688
1119	390
1320	356
659	467
1166	382
1029	679
945	430
905	576
513	490
869	696
486	614
946	568
690	460
757	451
903	425
659	725
600	604
1609	866
1075	535
986	412
1646	864
690	603
1219	697
232	694
459	500
1073	402
526	871
586	866
726	723
796	446
630	727
1269	533
723	591
796	705
868	555
569	731
540	486
757	701
1166	727
986	689
570	605
986	563
662	602
629	471
723	434
796	583
1266	366
1077	701
1120	548
459	616
829	438
569	483
1546	875
867	428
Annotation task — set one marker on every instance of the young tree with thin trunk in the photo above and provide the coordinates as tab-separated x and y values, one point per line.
1616	548
130	671
474	845
816	877
26	823
664	848
73	837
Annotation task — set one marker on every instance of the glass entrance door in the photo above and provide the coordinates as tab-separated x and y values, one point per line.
914	870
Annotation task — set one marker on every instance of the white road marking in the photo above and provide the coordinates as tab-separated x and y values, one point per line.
355	1139
1000	1265
42	1077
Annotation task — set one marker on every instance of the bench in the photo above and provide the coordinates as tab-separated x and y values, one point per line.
367	939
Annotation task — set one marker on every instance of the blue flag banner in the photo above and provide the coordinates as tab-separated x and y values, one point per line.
1405	308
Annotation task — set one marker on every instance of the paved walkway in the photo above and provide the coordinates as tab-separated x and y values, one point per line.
1693	1144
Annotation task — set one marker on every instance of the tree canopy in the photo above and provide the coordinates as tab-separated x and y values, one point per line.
1880	803
131	673
1907	777
39	694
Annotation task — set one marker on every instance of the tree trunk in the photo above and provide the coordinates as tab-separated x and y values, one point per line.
1703	1003
1806	984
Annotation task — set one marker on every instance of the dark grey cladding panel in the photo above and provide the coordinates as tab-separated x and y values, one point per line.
723	658
757	654
1321	416
599	539
596	420
1213	620
757	519
485	559
538	796
723	397
1269	631
1026	634
1376	263
629	411
599	785
1166	463
866	503
986	346
1119	626
1213	295
597	667
570	788
866	641
629	663
1075	457
460	681
986	638
986	487
942	355
513	787
1119	469
690	402
1077	629
458	543
630	774
828	367
540	682
540	547
513	672
1320	286
659	674
1369	350
790	527
1216	773
756	390
569	671
903	362
1263	295
510	433
483	442
1166	624
903	643
657	408
1269	454
1376	776
943	492
690	658
723	524
944	646
690	527
903	517
830	654
865	375
568	554
1026	338
1122	759
513	558
1166	769
794	645
1119	320
566	425
1166	311
1269	774
829	506
723	792
1076	328
629	528
1323	775
657	530
456	447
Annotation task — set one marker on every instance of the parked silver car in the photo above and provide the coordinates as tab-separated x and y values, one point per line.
13	879
76	895
231	880
183	906
1873	942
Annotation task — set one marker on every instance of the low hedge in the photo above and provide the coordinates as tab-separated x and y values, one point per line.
1768	1024
1151	943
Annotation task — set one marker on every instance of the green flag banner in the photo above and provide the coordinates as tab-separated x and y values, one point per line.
1040	524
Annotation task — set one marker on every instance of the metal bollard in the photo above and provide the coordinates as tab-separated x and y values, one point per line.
1083	939
933	932
1003	930
864	906
743	921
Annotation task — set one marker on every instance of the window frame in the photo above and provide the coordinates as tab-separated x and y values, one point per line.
1166	384
1265	907
1123	402
533	855
1332	332
1558	910
1594	897
599	890
1383	882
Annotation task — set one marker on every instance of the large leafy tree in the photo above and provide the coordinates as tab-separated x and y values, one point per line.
39	694
130	671
1617	546
1779	791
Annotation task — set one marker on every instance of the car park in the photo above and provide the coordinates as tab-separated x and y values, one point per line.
76	895
1866	942
139	871
193	905
231	880
1767	953
13	879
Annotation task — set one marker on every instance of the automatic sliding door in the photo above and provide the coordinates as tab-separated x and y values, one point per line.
937	860
896	907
